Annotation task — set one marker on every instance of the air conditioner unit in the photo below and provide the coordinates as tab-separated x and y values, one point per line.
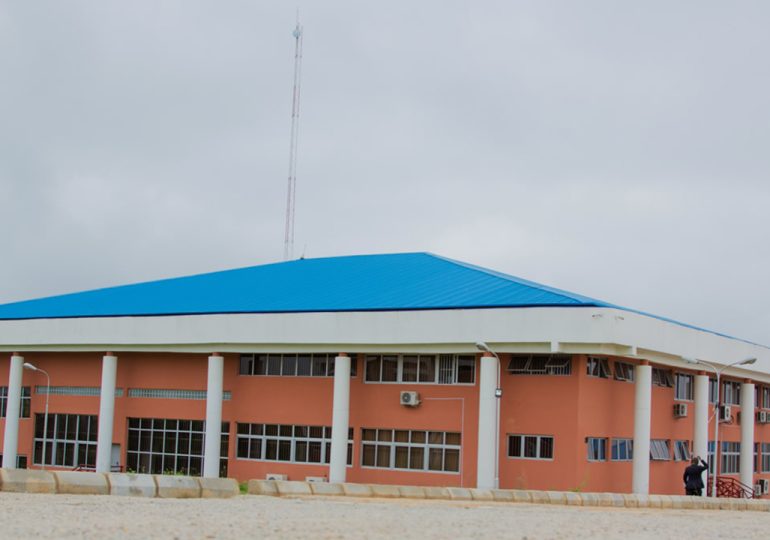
758	490
316	479
764	486
763	417
410	399
725	413
274	476
680	410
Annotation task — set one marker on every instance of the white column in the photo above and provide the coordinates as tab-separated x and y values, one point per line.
701	419
213	446
485	468
106	412
642	413
12	406
340	419
747	434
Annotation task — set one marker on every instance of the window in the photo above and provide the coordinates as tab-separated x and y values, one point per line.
713	392
662	377
158	446
711	457
681	450
73	391
622	449
764	458
731	458
597	367
530	446
415	450
25	402
659	450
731	393
765	403
292	364
163	393
21	461
683	387
540	364
624	372
421	368
293	444
70	441
597	449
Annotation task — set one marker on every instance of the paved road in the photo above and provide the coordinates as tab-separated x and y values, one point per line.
103	517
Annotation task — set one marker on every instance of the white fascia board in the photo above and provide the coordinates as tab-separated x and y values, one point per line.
577	329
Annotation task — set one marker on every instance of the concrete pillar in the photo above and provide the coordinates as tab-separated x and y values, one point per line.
488	425
701	411
212	449
642	414
12	408
106	412
747	433
340	419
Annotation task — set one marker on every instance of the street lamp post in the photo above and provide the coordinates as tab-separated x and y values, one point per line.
31	367
482	346
718	371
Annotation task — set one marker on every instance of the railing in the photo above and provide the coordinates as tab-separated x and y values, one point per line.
727	486
92	468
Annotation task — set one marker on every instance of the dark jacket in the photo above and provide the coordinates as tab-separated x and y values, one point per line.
693	478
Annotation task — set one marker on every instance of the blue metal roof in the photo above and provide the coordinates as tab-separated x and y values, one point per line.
405	281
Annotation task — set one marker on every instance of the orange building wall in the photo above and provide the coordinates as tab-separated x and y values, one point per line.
569	408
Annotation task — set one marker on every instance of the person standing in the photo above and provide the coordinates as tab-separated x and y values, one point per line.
693	476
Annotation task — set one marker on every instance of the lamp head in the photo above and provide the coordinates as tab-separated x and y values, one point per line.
29	366
690	360
480	345
748	361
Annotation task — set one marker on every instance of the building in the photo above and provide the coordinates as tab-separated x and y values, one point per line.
403	368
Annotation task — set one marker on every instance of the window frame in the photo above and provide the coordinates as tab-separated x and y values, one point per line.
730	457
627	446
25	406
558	365
538	446
385	439
64	444
596	449
598	367
682	450
686	392
248	362
662	377
660	450
440	377
624	371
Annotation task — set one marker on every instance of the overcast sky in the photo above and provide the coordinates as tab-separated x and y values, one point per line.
620	150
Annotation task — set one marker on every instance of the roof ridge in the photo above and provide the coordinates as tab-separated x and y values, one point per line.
522	281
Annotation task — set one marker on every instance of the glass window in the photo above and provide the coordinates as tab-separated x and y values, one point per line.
622	449
530	446
683	390
597	367
597	448
411	450
659	450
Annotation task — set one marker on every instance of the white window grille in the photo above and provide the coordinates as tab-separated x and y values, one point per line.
168	446
662	377
26	401
414	450
731	393
421	368
764	458
681	450
624	371
540	364
70	441
659	450
622	449
530	446
683	388
597	366
597	448
292	364
288	443
731	458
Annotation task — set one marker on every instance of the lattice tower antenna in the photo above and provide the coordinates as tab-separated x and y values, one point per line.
288	239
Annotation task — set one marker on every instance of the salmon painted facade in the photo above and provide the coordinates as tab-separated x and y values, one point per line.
394	369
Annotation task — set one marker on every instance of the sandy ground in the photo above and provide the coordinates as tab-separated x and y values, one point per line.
63	516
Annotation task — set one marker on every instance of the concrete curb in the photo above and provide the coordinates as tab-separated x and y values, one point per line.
564	498
121	484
